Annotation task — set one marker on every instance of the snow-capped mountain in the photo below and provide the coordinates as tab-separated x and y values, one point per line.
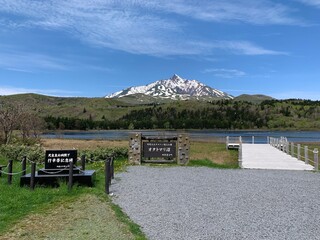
175	88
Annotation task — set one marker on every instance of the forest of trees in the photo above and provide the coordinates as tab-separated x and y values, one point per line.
223	114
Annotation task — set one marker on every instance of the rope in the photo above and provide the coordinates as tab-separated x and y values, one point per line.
54	172
12	174
80	170
5	167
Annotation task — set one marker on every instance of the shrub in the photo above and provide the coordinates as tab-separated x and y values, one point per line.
101	154
17	152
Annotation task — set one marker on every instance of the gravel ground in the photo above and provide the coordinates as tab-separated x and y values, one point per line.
202	203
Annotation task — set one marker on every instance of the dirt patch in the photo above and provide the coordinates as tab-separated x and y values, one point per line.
81	144
88	217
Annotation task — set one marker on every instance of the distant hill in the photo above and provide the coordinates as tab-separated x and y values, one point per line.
243	112
174	88
256	98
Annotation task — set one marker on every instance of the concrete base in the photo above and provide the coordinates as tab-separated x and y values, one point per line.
86	178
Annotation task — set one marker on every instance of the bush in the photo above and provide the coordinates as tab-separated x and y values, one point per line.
17	152
100	154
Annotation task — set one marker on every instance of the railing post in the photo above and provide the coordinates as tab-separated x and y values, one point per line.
298	152
24	165
70	182
316	164
227	142
252	139
33	174
107	172
288	147
10	171
292	149
306	155
240	139
240	155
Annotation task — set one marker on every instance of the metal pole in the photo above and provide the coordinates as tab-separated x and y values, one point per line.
32	177
306	155
10	171
24	165
70	182
316	164
298	153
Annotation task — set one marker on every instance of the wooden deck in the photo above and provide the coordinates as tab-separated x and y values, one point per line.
264	156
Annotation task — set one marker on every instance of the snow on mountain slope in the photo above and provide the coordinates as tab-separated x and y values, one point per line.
174	88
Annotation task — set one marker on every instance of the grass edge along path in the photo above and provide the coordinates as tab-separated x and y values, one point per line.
17	203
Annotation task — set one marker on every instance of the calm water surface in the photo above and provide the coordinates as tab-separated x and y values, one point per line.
259	136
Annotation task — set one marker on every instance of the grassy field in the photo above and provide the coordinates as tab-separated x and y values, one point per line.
20	208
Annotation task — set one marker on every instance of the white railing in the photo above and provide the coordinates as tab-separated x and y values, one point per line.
302	153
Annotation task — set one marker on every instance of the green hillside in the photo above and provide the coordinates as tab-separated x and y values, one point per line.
256	98
245	112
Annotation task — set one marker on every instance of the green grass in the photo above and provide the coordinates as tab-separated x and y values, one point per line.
210	164
17	202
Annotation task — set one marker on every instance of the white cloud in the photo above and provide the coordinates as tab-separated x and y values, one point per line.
315	3
28	62
248	11
225	73
138	26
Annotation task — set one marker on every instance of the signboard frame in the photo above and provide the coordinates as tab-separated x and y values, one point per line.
60	159
159	149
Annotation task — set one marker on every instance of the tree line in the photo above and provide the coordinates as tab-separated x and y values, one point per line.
223	114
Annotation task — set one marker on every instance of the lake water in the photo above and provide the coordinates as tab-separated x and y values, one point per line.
259	136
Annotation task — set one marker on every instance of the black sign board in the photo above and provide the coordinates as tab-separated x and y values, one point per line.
59	159
159	149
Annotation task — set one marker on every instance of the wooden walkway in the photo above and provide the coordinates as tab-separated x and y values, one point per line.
264	156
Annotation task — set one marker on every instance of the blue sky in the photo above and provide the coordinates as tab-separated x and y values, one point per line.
94	48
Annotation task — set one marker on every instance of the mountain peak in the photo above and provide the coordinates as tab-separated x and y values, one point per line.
175	88
175	77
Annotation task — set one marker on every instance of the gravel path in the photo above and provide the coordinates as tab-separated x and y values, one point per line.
202	203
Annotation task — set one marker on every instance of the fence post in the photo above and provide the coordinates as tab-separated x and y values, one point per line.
33	174
24	165
252	139
10	171
292	149
107	172
287	147
83	162
112	167
316	164
70	182
306	155
298	152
